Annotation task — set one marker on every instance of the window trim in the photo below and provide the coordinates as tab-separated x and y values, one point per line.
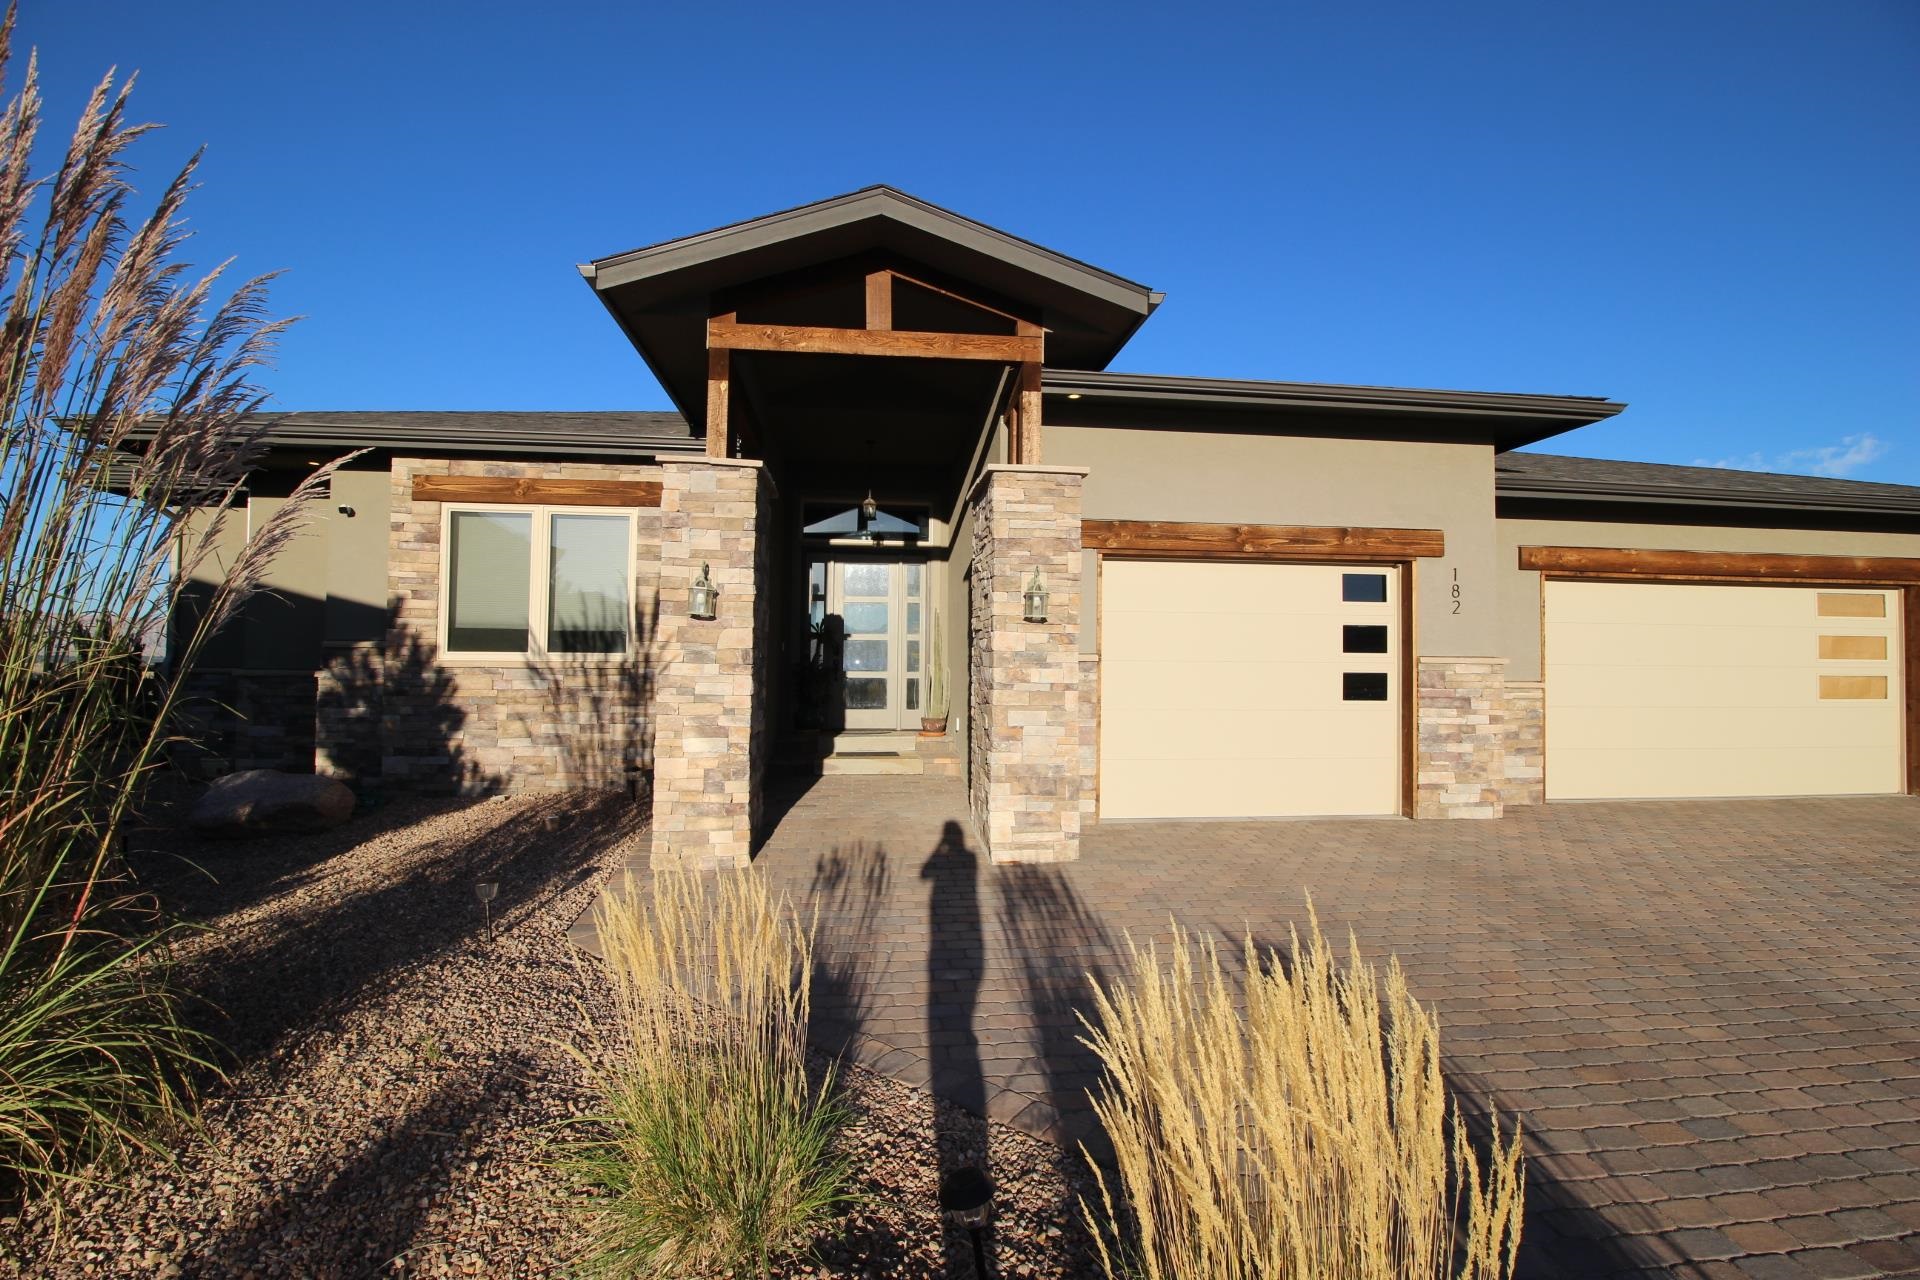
539	584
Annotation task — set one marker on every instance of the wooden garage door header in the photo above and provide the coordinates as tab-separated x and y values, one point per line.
1634	562
1196	541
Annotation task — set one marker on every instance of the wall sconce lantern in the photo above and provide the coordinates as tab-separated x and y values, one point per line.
703	597
1034	599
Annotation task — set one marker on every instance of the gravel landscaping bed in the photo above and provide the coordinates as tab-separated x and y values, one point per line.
396	1077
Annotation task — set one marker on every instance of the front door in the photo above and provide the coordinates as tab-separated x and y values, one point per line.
875	609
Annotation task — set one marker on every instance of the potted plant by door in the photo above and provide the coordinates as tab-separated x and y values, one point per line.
933	722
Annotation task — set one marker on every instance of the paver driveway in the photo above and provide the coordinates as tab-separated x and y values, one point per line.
1706	1013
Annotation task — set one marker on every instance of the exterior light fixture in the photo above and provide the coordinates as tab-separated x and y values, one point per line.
487	891
1073	395
703	596
869	508
1034	599
966	1201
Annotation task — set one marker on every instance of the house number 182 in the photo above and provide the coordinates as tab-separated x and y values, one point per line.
1455	593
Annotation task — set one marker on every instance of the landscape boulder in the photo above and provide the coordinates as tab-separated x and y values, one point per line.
267	801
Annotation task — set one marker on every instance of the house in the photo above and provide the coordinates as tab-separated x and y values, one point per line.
898	456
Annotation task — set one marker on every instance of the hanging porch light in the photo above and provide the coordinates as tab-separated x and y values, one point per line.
703	597
1034	599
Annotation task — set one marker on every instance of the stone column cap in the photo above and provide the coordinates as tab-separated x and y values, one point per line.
1020	468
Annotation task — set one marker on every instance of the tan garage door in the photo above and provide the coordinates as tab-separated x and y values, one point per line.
1248	690
1683	690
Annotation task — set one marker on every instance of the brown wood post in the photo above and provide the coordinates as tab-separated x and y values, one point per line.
880	300
1029	398
719	389
719	384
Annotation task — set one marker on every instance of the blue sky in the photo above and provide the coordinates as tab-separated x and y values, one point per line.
1706	208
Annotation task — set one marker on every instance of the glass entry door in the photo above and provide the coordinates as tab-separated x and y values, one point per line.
874	609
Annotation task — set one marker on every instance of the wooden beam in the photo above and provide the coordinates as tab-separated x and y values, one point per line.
1634	562
815	340
879	300
1028	393
1258	541
522	491
964	300
719	400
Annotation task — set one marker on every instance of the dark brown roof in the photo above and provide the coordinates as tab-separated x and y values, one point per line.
620	432
1553	476
1504	419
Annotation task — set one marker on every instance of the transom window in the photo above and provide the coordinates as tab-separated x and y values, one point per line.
535	580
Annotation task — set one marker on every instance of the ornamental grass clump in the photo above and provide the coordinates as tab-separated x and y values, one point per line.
714	1153
129	419
1309	1136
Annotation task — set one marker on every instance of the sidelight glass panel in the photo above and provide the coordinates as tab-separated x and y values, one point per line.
865	655
587	597
913	619
865	618
913	581
866	695
913	694
491	564
865	579
913	655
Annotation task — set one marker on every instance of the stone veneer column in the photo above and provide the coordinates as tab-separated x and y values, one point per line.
1025	727
709	704
1462	738
1526	772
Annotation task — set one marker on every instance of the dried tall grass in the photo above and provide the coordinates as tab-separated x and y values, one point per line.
1309	1136
126	398
715	1151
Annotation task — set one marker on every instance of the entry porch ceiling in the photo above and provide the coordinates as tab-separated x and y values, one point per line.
663	295
906	428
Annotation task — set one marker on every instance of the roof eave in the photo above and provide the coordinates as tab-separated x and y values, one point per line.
1700	496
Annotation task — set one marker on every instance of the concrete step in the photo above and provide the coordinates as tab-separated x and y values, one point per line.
872	762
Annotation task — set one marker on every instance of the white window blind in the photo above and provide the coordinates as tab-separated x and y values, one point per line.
491	564
587	595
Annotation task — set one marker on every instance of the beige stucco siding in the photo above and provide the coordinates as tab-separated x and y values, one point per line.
1519	590
1295	480
356	584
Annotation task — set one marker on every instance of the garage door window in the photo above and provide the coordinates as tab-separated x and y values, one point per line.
1363	639
1363	588
1363	686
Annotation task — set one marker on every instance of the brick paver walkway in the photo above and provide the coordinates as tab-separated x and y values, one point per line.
1707	1014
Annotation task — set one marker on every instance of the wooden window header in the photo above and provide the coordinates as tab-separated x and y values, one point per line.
1176	540
526	492
1624	562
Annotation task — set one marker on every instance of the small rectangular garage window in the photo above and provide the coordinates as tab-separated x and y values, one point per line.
1833	604
1363	686
1363	588
1363	639
1849	687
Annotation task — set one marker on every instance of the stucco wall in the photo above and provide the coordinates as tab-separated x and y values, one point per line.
356	582
1519	591
1272	479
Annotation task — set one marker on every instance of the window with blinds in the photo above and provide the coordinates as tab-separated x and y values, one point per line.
491	567
537	579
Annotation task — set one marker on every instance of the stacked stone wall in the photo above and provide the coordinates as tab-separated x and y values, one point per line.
247	720
1526	753
1026	729
710	712
564	722
1461	738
